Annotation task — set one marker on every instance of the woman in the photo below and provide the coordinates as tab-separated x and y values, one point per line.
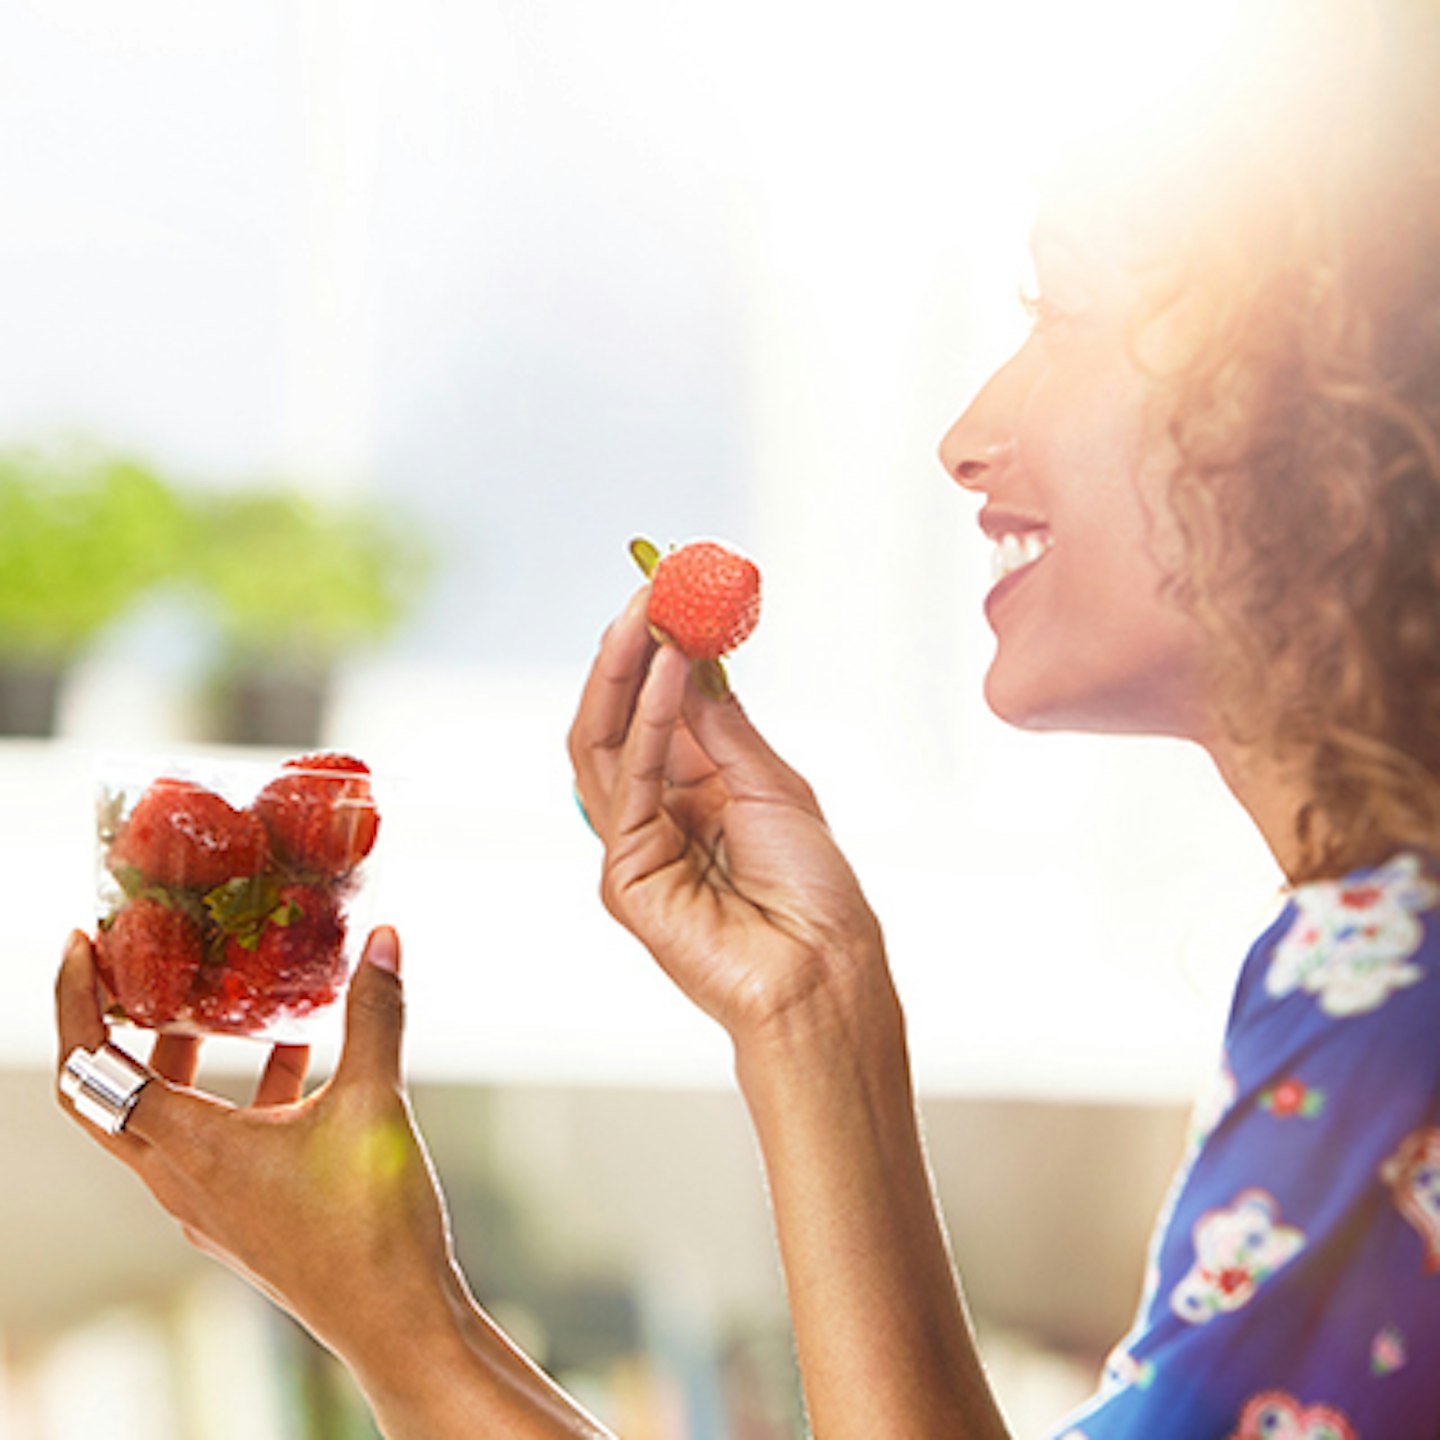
1218	454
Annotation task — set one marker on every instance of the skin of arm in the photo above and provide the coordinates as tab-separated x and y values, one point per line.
883	1340
719	860
328	1204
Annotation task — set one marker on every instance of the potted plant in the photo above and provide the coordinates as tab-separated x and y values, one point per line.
83	534
295	583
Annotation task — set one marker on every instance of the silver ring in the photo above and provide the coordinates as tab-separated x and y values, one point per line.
103	1085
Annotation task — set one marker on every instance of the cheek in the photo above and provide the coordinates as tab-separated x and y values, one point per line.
1087	403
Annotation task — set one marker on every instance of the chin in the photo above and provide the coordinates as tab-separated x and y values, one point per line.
1147	709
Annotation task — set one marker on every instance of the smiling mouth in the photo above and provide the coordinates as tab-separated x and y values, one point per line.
1018	550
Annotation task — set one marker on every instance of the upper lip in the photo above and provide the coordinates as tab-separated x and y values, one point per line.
997	521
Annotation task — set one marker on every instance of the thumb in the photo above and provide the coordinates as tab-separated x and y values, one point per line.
375	1013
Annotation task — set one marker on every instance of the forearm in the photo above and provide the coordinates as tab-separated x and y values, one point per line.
883	1340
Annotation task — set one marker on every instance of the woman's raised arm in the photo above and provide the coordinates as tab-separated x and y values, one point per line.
718	858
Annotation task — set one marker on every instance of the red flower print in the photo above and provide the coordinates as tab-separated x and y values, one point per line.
1231	1280
1290	1096
1361	897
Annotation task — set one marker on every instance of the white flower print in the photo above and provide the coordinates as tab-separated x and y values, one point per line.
1212	1107
1237	1248
1351	941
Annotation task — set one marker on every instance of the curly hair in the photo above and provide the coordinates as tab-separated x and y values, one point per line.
1306	418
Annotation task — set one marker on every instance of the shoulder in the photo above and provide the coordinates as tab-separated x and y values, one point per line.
1351	943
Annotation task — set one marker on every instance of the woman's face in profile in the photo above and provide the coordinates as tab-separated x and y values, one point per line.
1062	444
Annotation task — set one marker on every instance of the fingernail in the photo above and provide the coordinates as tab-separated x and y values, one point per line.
76	944
383	951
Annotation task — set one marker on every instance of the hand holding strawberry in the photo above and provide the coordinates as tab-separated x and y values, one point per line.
716	854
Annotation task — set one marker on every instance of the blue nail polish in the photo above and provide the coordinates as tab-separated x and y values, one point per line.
580	806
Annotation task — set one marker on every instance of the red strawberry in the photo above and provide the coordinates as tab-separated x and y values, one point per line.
148	957
320	814
181	834
703	597
295	962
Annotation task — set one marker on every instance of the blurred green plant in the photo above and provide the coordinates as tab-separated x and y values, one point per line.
290	582
297	580
84	533
294	584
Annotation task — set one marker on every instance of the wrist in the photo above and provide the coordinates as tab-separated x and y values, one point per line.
422	1349
850	1019
460	1375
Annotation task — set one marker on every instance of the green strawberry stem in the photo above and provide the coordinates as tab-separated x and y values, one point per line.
645	554
710	679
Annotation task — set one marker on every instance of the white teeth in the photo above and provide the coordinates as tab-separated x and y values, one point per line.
1015	550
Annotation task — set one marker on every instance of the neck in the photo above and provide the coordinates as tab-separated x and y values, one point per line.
1273	793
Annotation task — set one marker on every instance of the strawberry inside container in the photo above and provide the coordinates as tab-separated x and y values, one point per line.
229	891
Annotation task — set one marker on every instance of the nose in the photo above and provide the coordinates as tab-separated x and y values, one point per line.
978	447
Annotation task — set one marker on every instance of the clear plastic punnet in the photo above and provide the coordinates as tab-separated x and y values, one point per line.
232	891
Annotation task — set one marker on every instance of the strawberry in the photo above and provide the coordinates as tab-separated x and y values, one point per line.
703	597
319	814
180	834
292	962
149	955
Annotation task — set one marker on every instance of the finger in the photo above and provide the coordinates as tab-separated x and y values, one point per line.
607	701
156	1113
78	1016
644	763
172	1119
750	768
282	1082
176	1057
374	1014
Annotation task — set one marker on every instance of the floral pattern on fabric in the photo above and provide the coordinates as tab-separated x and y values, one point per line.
1388	1351
1278	1416
1237	1248
1295	1266
1290	1097
1211	1108
1413	1175
1351	942
1122	1368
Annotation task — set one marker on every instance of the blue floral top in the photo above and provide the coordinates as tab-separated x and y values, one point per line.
1293	1291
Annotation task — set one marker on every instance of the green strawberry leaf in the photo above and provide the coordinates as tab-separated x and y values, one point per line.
184	902
286	914
241	907
129	879
645	554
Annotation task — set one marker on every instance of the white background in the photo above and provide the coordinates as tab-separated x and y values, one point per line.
551	275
